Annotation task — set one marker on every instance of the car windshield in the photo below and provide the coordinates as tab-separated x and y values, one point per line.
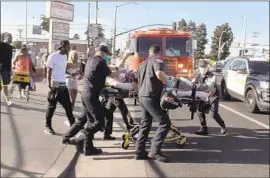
259	67
144	44
176	46
227	64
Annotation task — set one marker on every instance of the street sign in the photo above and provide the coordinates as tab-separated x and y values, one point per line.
93	31
36	30
58	38
61	10
60	27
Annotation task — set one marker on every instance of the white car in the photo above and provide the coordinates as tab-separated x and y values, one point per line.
247	79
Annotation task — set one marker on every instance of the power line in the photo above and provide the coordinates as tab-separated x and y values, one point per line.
70	25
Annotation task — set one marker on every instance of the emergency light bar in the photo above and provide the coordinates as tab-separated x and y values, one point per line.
258	59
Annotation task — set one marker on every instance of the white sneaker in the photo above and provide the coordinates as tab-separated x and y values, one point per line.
23	95
9	102
67	123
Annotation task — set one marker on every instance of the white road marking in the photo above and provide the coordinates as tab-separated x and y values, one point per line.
245	117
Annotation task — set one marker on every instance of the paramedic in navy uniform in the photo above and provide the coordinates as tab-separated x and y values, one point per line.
151	79
96	71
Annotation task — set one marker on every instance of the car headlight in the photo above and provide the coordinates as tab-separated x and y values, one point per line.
264	84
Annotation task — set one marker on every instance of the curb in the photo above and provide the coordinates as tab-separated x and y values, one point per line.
62	163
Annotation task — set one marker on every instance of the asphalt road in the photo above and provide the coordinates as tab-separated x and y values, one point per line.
243	152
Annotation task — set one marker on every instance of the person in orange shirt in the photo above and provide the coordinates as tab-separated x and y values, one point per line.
23	65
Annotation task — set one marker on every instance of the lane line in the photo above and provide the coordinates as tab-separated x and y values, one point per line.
245	117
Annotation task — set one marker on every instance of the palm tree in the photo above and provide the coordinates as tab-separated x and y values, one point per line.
45	24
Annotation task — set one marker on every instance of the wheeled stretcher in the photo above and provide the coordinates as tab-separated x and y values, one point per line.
178	92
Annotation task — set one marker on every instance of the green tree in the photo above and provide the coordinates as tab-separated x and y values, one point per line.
182	25
45	23
191	26
226	41
76	37
17	44
200	35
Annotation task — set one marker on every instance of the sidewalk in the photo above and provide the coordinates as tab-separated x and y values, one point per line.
114	162
26	151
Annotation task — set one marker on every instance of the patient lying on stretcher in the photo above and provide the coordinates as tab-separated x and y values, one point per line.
181	87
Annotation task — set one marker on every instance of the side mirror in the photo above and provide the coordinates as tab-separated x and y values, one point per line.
194	44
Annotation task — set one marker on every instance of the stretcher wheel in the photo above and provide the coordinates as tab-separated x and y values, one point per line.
181	142
125	145
125	136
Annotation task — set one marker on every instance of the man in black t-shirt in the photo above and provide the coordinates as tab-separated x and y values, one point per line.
151	79
96	71
5	65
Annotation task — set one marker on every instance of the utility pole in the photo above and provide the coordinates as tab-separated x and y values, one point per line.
0	20
114	32
255	35
219	45
25	21
114	25
88	27
97	12
245	32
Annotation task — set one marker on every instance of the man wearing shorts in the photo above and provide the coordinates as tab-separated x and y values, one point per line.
5	65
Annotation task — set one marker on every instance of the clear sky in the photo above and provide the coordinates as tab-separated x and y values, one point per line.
132	16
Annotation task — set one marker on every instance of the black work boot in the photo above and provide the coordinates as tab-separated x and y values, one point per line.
89	150
49	130
65	140
142	156
202	131
108	137
159	157
88	147
80	146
